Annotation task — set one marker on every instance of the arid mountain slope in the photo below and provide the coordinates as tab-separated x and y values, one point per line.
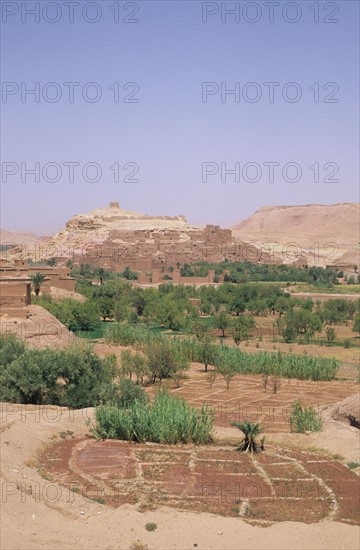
10	237
326	234
114	238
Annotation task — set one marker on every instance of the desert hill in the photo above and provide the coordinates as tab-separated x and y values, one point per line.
114	238
10	237
334	227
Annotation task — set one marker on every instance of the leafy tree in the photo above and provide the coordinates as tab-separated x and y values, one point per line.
237	304
330	334
356	326
241	328
226	365
128	274
37	279
163	360
186	271
71	377
222	322
105	306
170	313
133	363
198	328
207	351
337	311
75	315
301	323
100	274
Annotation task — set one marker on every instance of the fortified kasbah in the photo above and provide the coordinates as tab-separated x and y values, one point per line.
114	238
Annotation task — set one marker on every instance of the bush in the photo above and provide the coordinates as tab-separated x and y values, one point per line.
305	419
73	314
130	393
168	420
10	349
72	377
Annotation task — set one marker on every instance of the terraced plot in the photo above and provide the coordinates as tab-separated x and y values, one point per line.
276	485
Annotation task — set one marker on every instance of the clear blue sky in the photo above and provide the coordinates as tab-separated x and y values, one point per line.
171	131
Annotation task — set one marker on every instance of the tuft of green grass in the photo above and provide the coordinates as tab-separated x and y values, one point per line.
305	419
353	465
169	419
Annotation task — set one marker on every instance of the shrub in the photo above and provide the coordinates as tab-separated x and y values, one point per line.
129	393
10	349
72	377
305	419
73	314
251	432
168	419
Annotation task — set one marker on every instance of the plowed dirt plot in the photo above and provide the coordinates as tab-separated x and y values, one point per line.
276	485
247	400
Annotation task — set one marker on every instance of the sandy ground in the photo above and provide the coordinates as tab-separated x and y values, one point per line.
59	294
39	514
39	329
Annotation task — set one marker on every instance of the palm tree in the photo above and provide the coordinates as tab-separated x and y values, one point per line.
100	274
37	280
250	431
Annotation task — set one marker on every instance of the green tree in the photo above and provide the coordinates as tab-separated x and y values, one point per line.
198	328
163	360
222	322
207	351
330	334
128	274
301	323
105	306
100	274
72	377
337	311
242	327
37	280
356	326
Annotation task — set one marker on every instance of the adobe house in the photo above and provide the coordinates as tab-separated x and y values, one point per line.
15	295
